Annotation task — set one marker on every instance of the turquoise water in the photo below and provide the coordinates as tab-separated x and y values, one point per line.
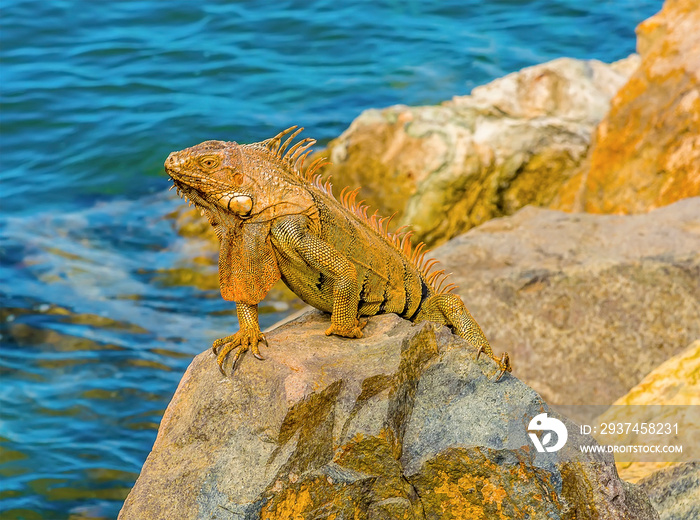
101	302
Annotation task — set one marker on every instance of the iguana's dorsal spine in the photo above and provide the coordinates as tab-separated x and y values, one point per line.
294	158
297	154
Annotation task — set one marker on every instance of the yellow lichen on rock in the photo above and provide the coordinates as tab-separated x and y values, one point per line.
674	383
292	506
452	497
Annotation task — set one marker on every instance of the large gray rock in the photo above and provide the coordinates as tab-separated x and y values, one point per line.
402	423
675	491
586	305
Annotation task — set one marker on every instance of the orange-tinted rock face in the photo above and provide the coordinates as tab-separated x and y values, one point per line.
646	152
447	168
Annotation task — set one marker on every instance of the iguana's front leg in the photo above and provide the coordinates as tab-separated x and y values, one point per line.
294	236
246	338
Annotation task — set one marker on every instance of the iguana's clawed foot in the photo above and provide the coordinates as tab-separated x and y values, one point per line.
354	331
239	342
503	363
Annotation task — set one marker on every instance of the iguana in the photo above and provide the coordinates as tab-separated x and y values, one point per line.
275	219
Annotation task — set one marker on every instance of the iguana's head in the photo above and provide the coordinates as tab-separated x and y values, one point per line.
239	182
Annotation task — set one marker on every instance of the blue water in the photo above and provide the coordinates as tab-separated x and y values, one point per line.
102	303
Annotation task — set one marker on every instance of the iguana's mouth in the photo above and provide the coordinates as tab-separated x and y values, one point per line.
236	203
189	193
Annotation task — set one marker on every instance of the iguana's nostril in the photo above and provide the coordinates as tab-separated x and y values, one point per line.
172	161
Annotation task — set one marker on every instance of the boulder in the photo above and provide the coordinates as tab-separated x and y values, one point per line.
669	394
587	305
403	423
646	152
674	491
444	169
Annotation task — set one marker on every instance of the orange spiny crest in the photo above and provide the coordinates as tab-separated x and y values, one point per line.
399	230
437	274
314	167
406	244
350	200
385	227
343	195
297	154
428	265
295	151
440	280
416	252
449	288
401	239
373	220
274	144
299	164
283	147
421	258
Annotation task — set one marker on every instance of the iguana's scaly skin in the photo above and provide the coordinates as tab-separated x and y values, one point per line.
276	220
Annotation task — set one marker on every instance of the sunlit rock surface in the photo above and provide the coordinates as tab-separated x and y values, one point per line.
646	152
587	305
444	169
676	382
403	423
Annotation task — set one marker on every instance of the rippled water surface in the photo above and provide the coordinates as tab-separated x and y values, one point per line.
103	304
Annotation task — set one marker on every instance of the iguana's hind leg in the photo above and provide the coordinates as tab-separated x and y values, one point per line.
449	310
246	338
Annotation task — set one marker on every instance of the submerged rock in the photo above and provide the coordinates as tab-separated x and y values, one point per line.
403	423
444	169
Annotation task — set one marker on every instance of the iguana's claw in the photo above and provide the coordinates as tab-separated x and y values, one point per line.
239	342
503	363
239	350
354	331
221	342
256	350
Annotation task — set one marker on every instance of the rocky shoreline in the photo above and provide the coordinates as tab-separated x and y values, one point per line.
592	306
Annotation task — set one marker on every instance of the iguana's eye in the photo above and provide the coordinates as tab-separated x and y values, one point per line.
209	162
